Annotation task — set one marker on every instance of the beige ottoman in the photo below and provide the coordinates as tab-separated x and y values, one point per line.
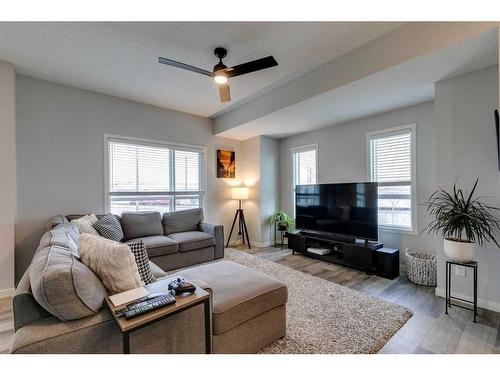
248	307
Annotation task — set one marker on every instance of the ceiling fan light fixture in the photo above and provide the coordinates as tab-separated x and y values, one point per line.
221	73
220	78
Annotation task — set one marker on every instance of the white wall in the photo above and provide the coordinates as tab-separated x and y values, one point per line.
260	172
467	149
7	176
60	154
251	179
342	157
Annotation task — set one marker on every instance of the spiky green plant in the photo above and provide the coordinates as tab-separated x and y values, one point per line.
457	214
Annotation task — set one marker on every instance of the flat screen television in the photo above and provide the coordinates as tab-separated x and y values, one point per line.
347	210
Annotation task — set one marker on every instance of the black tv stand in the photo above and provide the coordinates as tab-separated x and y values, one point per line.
356	254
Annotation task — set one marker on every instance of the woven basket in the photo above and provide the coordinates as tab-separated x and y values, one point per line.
421	268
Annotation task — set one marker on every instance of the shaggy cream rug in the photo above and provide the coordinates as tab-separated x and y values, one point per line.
324	317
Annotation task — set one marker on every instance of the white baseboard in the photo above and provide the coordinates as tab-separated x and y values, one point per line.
4	293
485	304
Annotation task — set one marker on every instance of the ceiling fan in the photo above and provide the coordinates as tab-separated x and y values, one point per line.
221	73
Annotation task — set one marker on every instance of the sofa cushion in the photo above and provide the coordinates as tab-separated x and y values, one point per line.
141	224
64	235
112	262
158	245
193	240
109	227
156	271
182	221
239	293
63	286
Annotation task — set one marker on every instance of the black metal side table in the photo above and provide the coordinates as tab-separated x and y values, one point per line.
449	297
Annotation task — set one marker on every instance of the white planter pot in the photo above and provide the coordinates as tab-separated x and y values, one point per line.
459	251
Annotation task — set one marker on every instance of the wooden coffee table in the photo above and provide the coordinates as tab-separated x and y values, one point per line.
184	302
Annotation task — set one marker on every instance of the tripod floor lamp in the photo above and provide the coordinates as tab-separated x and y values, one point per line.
240	193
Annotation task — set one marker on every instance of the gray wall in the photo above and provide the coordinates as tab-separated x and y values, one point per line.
342	158
269	185
60	153
467	150
7	176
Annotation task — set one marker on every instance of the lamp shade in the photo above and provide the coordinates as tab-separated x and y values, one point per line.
239	193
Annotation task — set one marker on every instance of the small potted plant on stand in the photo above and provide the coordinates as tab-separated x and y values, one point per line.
282	222
463	220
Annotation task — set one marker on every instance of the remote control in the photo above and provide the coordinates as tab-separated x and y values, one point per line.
150	305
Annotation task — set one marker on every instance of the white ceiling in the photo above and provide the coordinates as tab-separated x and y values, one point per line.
120	59
403	85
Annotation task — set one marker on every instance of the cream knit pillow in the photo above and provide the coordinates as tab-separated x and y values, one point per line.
86	223
111	261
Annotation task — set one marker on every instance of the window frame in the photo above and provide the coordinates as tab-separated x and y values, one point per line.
154	143
294	150
413	163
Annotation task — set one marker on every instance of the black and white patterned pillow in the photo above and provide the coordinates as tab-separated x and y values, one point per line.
142	260
109	227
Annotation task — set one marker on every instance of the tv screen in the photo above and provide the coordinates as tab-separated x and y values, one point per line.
348	209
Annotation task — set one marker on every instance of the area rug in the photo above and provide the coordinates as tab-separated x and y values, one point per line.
324	317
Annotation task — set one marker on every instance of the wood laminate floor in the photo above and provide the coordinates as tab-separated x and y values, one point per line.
430	330
6	325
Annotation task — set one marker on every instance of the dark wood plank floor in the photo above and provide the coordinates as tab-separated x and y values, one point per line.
430	330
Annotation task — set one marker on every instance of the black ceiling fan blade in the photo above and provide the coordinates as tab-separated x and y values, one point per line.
177	64
251	66
225	94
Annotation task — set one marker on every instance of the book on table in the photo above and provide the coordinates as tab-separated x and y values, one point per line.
129	296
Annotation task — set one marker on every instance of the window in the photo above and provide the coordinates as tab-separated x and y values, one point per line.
304	167
148	176
392	164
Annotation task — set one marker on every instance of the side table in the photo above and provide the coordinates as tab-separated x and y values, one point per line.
183	302
449	297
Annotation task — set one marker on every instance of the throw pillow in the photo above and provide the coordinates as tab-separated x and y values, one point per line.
109	227
142	261
111	261
86	223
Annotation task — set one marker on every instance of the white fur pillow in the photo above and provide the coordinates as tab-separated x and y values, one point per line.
111	261
86	223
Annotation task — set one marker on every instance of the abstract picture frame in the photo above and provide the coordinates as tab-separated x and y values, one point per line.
226	164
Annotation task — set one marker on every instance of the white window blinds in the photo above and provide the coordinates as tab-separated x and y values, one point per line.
145	177
305	166
391	157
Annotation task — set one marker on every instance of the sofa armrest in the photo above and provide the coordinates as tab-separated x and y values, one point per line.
217	231
25	308
54	221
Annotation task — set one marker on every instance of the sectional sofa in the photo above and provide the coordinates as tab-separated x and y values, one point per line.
58	305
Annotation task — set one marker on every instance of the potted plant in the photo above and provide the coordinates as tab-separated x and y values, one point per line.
463	220
281	220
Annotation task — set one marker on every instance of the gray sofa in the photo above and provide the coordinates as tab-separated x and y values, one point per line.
248	308
176	240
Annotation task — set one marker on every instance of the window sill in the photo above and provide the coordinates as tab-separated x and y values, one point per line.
408	232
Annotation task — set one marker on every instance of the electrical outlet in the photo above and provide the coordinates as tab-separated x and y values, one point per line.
460	271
